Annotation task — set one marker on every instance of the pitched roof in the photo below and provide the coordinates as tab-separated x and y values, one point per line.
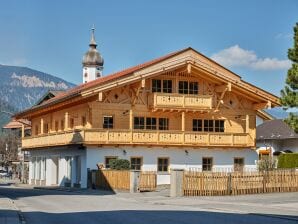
16	124
76	91
48	95
275	129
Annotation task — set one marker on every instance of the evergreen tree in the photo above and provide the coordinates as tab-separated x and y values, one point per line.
289	95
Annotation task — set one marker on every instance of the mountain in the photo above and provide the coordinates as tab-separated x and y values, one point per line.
21	87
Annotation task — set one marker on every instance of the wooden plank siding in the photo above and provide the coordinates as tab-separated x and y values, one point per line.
123	103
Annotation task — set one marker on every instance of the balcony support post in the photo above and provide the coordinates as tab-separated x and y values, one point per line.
66	117
131	119
247	124
41	126
183	121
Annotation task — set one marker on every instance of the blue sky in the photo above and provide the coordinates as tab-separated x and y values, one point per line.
249	37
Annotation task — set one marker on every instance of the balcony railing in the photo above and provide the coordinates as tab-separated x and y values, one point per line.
180	101
139	137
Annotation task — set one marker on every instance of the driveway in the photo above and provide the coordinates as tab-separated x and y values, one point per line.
89	206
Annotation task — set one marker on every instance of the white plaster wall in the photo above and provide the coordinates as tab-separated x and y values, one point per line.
178	159
30	171
91	71
61	154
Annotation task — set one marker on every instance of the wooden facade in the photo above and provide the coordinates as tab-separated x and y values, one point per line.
182	100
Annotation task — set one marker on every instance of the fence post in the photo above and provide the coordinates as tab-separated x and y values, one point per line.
176	183
230	184
134	181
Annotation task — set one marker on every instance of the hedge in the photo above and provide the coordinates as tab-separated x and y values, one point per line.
119	164
288	160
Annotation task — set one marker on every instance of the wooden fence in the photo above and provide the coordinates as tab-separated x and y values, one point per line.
216	183
148	181
112	179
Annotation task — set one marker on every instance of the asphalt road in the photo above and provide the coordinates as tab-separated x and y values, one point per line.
90	207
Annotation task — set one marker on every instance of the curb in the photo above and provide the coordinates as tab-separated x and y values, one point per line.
19	212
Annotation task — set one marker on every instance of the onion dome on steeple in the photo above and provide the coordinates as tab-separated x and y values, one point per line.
92	57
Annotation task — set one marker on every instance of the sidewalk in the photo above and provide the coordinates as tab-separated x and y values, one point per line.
8	211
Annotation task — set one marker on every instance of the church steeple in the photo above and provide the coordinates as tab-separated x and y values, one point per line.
92	61
92	40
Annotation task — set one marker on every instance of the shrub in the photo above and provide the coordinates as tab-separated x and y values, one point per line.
119	164
288	160
267	164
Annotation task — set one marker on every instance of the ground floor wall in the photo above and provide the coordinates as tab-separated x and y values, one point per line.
178	158
58	167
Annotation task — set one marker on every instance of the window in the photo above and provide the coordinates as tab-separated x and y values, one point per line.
207	163
108	160
151	123
163	123
193	88
84	121
208	125
85	74
139	123
71	123
97	74
162	164
156	85
56	125
62	125
108	122
183	87
238	164
197	125
219	126
136	163
167	86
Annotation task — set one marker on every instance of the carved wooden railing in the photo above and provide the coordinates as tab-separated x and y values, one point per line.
179	101
139	137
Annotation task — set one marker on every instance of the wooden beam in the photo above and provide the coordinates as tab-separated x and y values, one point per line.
66	117
188	68
131	119
183	121
41	126
222	88
260	106
100	97
143	83
247	123
136	96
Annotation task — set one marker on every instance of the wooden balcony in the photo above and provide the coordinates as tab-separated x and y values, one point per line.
180	101
139	137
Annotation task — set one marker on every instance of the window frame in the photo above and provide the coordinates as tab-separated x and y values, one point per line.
151	126
107	125
207	166
135	164
196	126
155	88
165	86
165	126
239	167
208	127
167	165
139	126
191	88
107	166
220	127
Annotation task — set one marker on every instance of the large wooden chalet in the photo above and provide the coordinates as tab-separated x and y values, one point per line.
182	110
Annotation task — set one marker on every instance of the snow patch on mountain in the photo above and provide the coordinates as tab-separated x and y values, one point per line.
34	81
